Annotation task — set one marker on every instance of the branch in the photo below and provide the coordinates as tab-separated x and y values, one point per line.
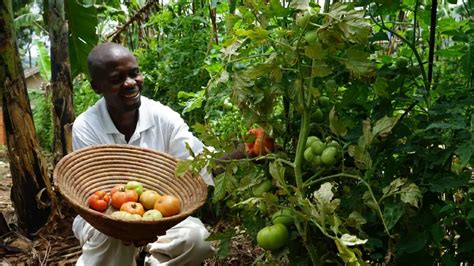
135	17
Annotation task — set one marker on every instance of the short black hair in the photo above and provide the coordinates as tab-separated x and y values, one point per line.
100	55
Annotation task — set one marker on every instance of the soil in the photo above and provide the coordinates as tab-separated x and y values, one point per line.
55	243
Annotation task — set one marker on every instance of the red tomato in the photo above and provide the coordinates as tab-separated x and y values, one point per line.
99	201
117	188
262	144
123	195
133	208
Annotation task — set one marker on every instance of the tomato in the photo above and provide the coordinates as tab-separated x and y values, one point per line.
148	199
329	156
261	188
133	208
99	201
283	216
317	160
335	144
318	116
135	185
324	101
303	19
125	215
311	37
308	155
318	147
273	237
311	140
152	215
117	188
123	195
262	144
168	205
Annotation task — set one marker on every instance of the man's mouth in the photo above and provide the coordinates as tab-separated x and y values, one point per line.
131	94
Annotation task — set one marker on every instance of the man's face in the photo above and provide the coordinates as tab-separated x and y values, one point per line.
120	82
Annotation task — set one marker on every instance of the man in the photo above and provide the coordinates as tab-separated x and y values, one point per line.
123	116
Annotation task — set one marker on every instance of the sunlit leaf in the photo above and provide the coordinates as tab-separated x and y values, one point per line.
351	240
411	194
337	127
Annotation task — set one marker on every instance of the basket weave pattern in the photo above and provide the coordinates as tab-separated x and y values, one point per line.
101	167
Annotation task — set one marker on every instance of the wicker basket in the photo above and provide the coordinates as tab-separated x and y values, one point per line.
101	167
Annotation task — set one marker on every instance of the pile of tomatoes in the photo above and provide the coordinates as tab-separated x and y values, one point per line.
322	153
131	202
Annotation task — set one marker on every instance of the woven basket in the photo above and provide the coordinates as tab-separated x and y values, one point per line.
101	167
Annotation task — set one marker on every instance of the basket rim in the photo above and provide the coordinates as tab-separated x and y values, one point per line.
100	147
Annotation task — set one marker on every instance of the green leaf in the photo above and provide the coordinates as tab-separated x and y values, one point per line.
277	171
351	240
44	61
437	233
314	51
257	34
337	127
224	239
411	194
300	4
357	62
324	194
194	101
320	69
384	126
380	87
182	167
470	214
361	156
413	243
464	150
82	28
392	212
27	20
394	186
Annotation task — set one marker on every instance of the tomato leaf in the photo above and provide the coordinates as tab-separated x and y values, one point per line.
336	126
411	194
182	167
351	240
392	212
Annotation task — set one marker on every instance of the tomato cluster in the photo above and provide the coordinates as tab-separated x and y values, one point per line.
318	152
132	202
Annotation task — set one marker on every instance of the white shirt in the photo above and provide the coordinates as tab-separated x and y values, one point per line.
158	127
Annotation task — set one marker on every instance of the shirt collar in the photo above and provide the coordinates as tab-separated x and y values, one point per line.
145	119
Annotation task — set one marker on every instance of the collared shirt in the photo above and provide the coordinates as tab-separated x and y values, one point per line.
158	127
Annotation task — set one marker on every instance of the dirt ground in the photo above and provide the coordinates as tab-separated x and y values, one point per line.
56	245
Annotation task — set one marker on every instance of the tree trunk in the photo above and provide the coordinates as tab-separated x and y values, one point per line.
28	166
63	112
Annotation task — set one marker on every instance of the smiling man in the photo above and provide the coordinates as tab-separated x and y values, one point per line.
124	116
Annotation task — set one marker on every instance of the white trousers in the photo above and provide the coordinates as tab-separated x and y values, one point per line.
183	244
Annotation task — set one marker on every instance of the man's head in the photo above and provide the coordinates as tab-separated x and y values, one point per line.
115	74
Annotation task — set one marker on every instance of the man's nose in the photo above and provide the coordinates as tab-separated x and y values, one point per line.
129	82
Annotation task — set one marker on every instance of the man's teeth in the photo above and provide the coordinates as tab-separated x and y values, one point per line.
131	95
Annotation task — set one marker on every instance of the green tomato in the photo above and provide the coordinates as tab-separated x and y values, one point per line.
273	237
283	216
303	19
308	155
401	62
261	188
135	185
311	37
329	156
324	101
317	160
318	116
335	144
318	147
152	215
311	140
